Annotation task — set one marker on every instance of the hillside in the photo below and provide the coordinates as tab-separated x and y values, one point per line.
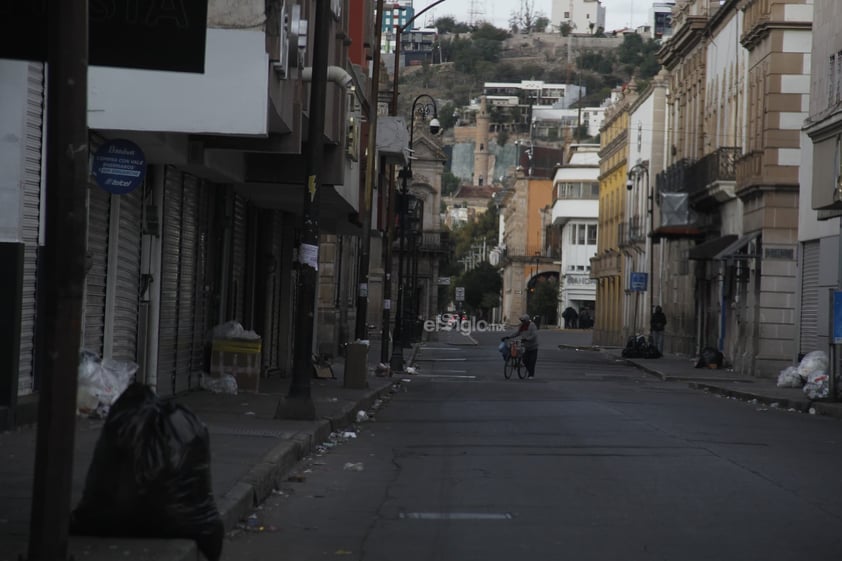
493	55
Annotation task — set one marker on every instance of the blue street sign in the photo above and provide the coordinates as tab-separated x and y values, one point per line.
119	166
638	282
837	317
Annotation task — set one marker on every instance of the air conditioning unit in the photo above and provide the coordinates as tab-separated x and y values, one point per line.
280	61
292	40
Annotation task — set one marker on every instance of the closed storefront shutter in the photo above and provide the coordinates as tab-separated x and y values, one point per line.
201	313
238	260
810	297
186	285
127	283
272	298
99	208
31	222
170	247
183	315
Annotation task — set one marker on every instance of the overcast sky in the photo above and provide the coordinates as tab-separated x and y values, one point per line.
618	13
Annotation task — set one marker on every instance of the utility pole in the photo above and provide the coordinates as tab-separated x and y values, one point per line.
361	326
64	267
299	402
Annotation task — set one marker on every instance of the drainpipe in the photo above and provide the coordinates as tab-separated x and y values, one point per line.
335	74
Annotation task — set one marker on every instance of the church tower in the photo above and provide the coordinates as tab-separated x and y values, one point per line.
481	156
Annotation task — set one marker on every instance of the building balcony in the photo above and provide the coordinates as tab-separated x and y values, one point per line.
434	242
749	170
674	179
712	178
608	264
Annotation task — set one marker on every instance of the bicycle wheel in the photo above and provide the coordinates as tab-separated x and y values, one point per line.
521	369
508	367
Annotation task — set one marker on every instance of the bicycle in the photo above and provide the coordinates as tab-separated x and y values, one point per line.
514	360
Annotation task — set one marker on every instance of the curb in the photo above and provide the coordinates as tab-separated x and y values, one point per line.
802	405
257	485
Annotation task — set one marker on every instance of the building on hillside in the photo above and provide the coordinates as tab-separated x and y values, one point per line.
468	203
584	17
524	260
563	124
397	14
608	266
536	93
575	218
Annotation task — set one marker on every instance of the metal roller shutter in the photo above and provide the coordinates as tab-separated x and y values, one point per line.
127	283
201	313
171	246
99	208
186	285
810	297
31	220
238	260
274	328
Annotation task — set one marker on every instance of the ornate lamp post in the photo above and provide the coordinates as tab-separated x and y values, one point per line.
424	109
639	173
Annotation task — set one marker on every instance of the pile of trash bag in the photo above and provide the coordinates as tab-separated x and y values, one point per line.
101	381
638	346
811	375
150	475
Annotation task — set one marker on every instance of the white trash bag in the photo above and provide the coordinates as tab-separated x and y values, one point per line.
219	384
101	381
790	378
814	361
817	386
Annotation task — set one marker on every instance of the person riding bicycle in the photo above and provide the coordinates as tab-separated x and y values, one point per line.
528	333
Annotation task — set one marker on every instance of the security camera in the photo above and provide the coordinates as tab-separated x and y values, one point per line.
629	185
435	126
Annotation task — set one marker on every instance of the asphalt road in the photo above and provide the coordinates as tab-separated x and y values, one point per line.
592	460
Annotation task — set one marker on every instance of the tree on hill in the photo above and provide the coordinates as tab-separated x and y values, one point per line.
448	24
526	18
482	286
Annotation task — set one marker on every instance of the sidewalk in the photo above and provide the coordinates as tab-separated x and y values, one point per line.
673	368
251	453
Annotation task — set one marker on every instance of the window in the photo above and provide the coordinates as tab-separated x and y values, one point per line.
831	80
591	234
566	15
580	231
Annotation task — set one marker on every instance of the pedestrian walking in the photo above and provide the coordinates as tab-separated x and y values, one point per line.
528	333
658	323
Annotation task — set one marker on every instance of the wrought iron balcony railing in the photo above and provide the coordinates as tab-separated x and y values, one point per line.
719	165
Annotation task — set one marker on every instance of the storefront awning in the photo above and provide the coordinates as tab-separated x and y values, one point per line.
734	248
711	248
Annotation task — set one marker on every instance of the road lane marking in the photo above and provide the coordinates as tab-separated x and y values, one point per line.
456	515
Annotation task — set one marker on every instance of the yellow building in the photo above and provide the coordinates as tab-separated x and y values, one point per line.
607	266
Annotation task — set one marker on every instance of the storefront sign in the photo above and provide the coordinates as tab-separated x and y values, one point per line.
119	166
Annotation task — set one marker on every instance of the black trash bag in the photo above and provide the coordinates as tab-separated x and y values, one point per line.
710	358
150	475
635	347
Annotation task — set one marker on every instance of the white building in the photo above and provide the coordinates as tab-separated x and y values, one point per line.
584	17
534	92
575	213
547	119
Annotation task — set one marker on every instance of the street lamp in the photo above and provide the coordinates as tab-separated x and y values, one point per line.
424	109
637	173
